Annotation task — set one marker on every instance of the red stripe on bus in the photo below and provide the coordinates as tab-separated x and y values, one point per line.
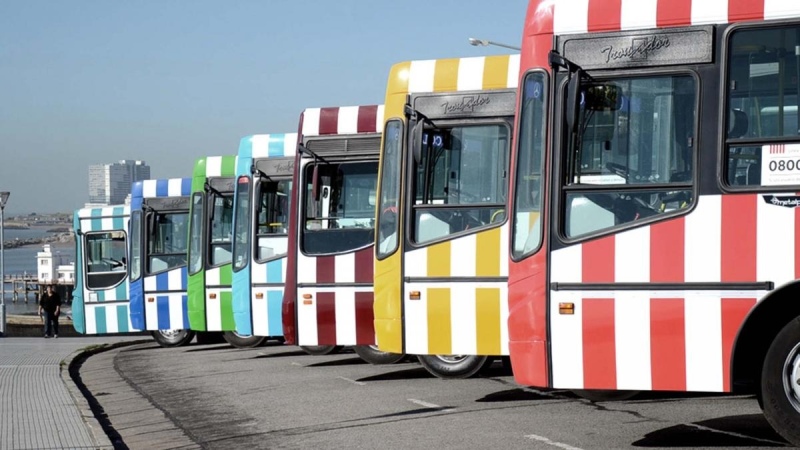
605	15
365	329
329	121
740	10
598	260
734	311
674	13
367	116
738	255
326	269
326	318
668	344
599	347
364	269
667	244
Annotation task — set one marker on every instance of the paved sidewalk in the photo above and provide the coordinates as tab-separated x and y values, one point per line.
37	410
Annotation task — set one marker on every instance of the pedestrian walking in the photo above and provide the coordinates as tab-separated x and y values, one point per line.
50	309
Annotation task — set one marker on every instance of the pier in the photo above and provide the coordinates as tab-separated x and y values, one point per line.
23	285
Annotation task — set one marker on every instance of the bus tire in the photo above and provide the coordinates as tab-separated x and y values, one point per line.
172	338
605	396
450	367
239	341
319	350
780	382
372	355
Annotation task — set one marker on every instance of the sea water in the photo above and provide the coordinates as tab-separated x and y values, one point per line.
22	261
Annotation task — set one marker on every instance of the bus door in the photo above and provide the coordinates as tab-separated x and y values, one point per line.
100	302
456	239
259	267
336	189
159	244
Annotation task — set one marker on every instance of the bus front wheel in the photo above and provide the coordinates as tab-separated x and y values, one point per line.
319	350
240	341
173	338
453	366
780	383
372	355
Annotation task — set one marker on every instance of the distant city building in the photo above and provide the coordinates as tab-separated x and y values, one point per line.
110	184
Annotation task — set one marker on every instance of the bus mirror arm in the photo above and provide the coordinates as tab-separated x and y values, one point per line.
573	100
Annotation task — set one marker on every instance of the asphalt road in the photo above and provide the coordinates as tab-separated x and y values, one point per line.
279	397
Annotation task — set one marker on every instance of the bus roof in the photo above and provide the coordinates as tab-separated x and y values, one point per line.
341	120
103	211
583	16
449	75
165	187
264	147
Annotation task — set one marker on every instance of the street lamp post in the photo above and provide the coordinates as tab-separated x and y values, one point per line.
3	200
486	43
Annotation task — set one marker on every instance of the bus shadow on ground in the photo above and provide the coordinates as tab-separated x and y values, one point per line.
339	362
516	395
413	373
744	431
281	354
206	348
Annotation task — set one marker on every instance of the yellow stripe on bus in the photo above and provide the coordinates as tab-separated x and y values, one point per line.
439	326
445	77
439	260
487	253
487	310
495	72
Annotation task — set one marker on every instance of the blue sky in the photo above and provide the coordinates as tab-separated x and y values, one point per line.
94	81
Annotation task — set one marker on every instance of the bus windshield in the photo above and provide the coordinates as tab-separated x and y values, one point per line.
272	218
166	248
221	229
527	202
136	246
461	180
339	206
196	234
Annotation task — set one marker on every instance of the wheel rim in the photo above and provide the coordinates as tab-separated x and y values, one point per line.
791	377
452	359
170	334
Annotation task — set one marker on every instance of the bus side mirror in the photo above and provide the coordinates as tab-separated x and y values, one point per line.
416	140
315	183
573	100
151	223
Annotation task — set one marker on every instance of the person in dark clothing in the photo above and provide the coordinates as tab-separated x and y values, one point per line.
50	308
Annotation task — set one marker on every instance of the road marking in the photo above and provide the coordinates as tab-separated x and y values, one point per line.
429	405
295	363
734	434
360	383
543	439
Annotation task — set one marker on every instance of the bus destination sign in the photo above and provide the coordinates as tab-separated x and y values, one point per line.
639	48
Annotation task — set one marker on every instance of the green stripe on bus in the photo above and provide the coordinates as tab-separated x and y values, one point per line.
100	320
122	318
122	291
228	166
226	310
226	275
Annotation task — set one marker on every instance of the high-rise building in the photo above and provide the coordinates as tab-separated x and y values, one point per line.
110	184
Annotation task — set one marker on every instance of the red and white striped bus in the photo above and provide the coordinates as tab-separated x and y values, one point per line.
664	139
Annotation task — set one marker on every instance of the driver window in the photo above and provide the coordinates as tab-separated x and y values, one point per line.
167	245
105	259
634	153
221	230
461	180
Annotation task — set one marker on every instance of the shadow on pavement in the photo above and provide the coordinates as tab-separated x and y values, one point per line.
515	395
282	354
206	348
399	375
339	362
750	430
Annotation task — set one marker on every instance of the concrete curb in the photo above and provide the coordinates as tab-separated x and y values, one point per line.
96	430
